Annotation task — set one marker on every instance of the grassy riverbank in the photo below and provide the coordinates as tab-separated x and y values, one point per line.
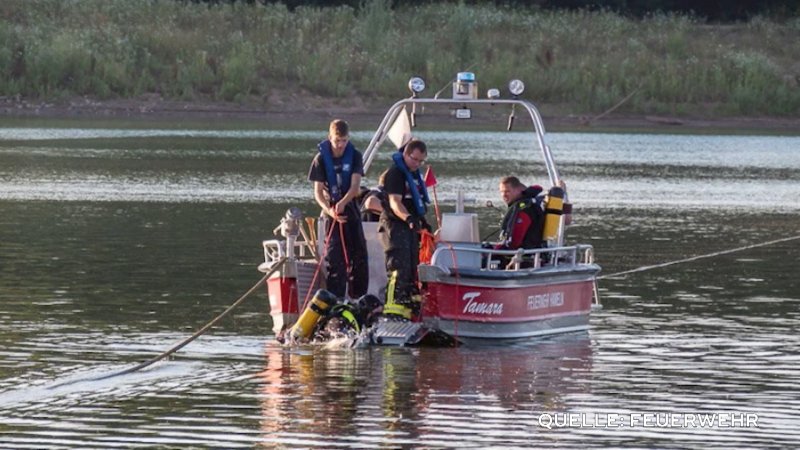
268	57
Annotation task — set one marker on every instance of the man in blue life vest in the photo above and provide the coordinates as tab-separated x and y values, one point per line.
523	224
336	172
402	220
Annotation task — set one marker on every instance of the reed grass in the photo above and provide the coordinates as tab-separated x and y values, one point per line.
580	62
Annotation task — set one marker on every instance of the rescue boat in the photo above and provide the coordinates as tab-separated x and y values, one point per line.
469	292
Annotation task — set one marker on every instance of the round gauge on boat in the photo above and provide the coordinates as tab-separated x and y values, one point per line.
416	85
516	87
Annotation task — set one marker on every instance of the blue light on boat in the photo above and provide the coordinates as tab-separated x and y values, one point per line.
465	77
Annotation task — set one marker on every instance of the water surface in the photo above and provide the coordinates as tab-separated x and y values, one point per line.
115	244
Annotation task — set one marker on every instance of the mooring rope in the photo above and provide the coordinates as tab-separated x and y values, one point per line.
186	341
695	258
319	266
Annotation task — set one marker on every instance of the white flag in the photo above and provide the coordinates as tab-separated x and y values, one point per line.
400	132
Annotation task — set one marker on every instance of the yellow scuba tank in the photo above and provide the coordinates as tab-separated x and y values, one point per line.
317	307
554	208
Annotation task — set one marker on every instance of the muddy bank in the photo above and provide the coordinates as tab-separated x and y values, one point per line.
319	111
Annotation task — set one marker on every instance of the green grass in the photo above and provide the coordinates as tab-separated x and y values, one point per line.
584	62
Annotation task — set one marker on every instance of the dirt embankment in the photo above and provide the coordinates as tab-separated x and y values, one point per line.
315	109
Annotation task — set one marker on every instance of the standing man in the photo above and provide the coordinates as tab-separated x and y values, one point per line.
336	172
402	220
523	224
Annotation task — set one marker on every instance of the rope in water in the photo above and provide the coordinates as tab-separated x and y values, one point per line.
695	258
278	264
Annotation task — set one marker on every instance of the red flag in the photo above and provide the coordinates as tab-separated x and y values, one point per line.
430	178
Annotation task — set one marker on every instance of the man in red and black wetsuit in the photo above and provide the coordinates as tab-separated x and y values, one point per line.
524	222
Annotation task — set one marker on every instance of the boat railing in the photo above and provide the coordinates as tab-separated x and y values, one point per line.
394	111
538	138
275	249
526	259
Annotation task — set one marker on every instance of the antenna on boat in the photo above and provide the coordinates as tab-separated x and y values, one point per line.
448	84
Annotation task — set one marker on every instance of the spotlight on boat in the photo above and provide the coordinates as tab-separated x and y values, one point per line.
516	87
493	94
416	85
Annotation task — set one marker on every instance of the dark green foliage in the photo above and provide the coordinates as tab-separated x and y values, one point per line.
579	61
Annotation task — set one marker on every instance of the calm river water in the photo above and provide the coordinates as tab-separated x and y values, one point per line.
118	242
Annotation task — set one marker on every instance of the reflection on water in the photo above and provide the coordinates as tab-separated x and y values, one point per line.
462	398
117	244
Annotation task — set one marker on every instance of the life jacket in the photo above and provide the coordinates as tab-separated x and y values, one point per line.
334	190
415	185
529	203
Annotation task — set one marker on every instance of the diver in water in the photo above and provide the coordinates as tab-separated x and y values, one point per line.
348	319
327	317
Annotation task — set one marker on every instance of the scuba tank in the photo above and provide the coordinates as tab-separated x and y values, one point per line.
554	208
317	307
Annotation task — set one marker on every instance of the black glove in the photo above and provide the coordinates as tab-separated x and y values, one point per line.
413	223
487	245
426	226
